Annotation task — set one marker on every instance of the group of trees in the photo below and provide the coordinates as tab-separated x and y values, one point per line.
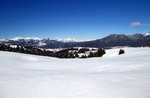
65	53
74	53
26	50
100	52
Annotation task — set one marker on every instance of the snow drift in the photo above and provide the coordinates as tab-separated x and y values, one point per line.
112	76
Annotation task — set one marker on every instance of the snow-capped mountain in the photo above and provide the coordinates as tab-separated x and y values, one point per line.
21	38
135	40
146	34
72	40
40	43
25	38
68	40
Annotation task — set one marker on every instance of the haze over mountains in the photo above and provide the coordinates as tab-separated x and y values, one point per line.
135	40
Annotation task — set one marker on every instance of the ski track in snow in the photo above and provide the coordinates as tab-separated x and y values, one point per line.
112	76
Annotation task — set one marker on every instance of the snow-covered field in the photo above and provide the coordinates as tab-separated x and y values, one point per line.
112	76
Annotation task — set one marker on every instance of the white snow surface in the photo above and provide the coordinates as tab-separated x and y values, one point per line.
112	76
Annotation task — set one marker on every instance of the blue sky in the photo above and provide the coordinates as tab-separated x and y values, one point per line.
81	19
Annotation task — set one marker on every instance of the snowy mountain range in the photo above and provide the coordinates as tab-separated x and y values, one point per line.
135	40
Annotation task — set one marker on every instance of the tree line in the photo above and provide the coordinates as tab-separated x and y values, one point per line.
65	53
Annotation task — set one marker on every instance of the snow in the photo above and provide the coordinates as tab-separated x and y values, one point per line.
26	38
2	39
73	40
55	49
13	46
112	76
41	43
146	34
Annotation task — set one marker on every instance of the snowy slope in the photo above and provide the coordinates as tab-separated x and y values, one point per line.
112	76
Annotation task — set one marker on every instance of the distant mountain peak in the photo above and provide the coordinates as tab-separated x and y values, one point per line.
71	40
146	34
25	38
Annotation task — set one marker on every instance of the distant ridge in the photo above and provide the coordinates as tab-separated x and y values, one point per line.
71	40
134	40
